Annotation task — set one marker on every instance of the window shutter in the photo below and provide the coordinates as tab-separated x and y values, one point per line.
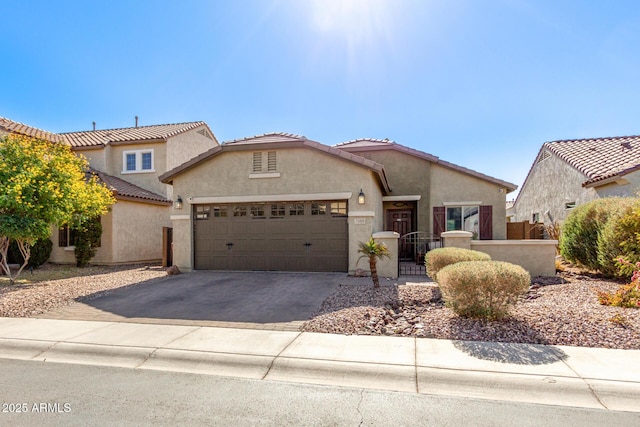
257	162
439	213
62	237
486	222
271	161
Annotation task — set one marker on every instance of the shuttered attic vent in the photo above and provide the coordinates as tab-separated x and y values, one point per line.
257	162
205	133
271	161
544	156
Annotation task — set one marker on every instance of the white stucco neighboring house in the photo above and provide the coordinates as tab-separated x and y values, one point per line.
568	173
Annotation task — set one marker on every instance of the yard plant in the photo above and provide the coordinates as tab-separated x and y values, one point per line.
482	289
627	296
437	259
597	233
373	251
43	183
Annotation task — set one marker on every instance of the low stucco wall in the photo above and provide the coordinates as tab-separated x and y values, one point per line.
536	256
388	267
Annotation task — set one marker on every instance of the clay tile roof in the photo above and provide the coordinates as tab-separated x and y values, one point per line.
22	129
599	158
266	138
124	189
366	142
140	133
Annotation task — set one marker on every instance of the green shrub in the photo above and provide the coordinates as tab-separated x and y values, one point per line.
483	289
40	253
87	241
439	258
582	232
618	238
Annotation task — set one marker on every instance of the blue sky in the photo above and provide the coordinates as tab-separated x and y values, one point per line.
479	83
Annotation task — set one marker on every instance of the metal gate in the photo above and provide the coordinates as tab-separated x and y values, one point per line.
419	243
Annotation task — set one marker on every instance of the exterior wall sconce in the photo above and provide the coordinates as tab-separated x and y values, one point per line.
178	203
361	198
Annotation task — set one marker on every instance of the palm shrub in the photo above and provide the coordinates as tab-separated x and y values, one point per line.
437	259
373	251
483	289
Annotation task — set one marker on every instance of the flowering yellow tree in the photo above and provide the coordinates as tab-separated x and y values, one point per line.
43	183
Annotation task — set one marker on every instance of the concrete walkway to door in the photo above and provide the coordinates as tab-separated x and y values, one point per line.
256	300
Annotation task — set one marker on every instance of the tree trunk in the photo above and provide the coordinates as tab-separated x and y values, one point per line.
374	272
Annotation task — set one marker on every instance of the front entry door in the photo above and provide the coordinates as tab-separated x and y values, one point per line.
399	220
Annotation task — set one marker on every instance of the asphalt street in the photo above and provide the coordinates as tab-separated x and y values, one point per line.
35	394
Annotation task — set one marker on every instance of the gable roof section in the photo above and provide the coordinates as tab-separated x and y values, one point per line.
22	129
127	191
102	137
273	141
598	158
371	144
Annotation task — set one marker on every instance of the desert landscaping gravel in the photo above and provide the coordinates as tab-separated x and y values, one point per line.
32	299
562	310
551	313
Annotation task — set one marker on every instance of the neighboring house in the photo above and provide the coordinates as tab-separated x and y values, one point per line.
568	173
9	126
285	202
128	161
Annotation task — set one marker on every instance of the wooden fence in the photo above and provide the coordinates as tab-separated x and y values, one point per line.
525	230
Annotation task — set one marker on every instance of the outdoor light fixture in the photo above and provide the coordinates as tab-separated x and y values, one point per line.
178	203
361	198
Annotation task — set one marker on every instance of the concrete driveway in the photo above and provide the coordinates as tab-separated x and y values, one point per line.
211	298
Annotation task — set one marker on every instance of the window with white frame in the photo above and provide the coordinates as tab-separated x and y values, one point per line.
463	218
137	161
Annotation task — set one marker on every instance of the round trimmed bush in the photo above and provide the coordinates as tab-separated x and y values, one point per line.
439	258
483	289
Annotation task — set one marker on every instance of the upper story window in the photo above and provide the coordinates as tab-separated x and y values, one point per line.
137	161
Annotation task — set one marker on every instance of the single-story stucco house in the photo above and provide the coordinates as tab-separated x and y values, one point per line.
568	173
281	201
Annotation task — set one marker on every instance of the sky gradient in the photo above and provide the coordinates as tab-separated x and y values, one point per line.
480	83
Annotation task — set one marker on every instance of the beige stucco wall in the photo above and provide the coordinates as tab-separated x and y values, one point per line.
451	186
629	186
388	267
551	184
97	158
137	231
131	232
185	146
302	171
536	256
146	180
407	175
61	255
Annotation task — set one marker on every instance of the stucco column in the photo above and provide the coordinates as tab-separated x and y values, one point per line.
388	267
457	239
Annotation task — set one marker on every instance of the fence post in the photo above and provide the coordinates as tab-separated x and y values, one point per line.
388	267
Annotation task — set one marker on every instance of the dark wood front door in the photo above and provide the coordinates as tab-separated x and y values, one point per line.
400	221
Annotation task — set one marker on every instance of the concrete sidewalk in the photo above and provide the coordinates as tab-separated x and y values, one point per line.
553	375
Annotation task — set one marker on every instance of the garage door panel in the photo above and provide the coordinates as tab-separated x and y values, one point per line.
289	240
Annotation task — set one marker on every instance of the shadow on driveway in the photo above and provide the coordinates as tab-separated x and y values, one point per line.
252	297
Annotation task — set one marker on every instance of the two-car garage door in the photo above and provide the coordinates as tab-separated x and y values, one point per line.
284	236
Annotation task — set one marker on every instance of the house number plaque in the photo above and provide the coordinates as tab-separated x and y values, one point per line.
360	221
